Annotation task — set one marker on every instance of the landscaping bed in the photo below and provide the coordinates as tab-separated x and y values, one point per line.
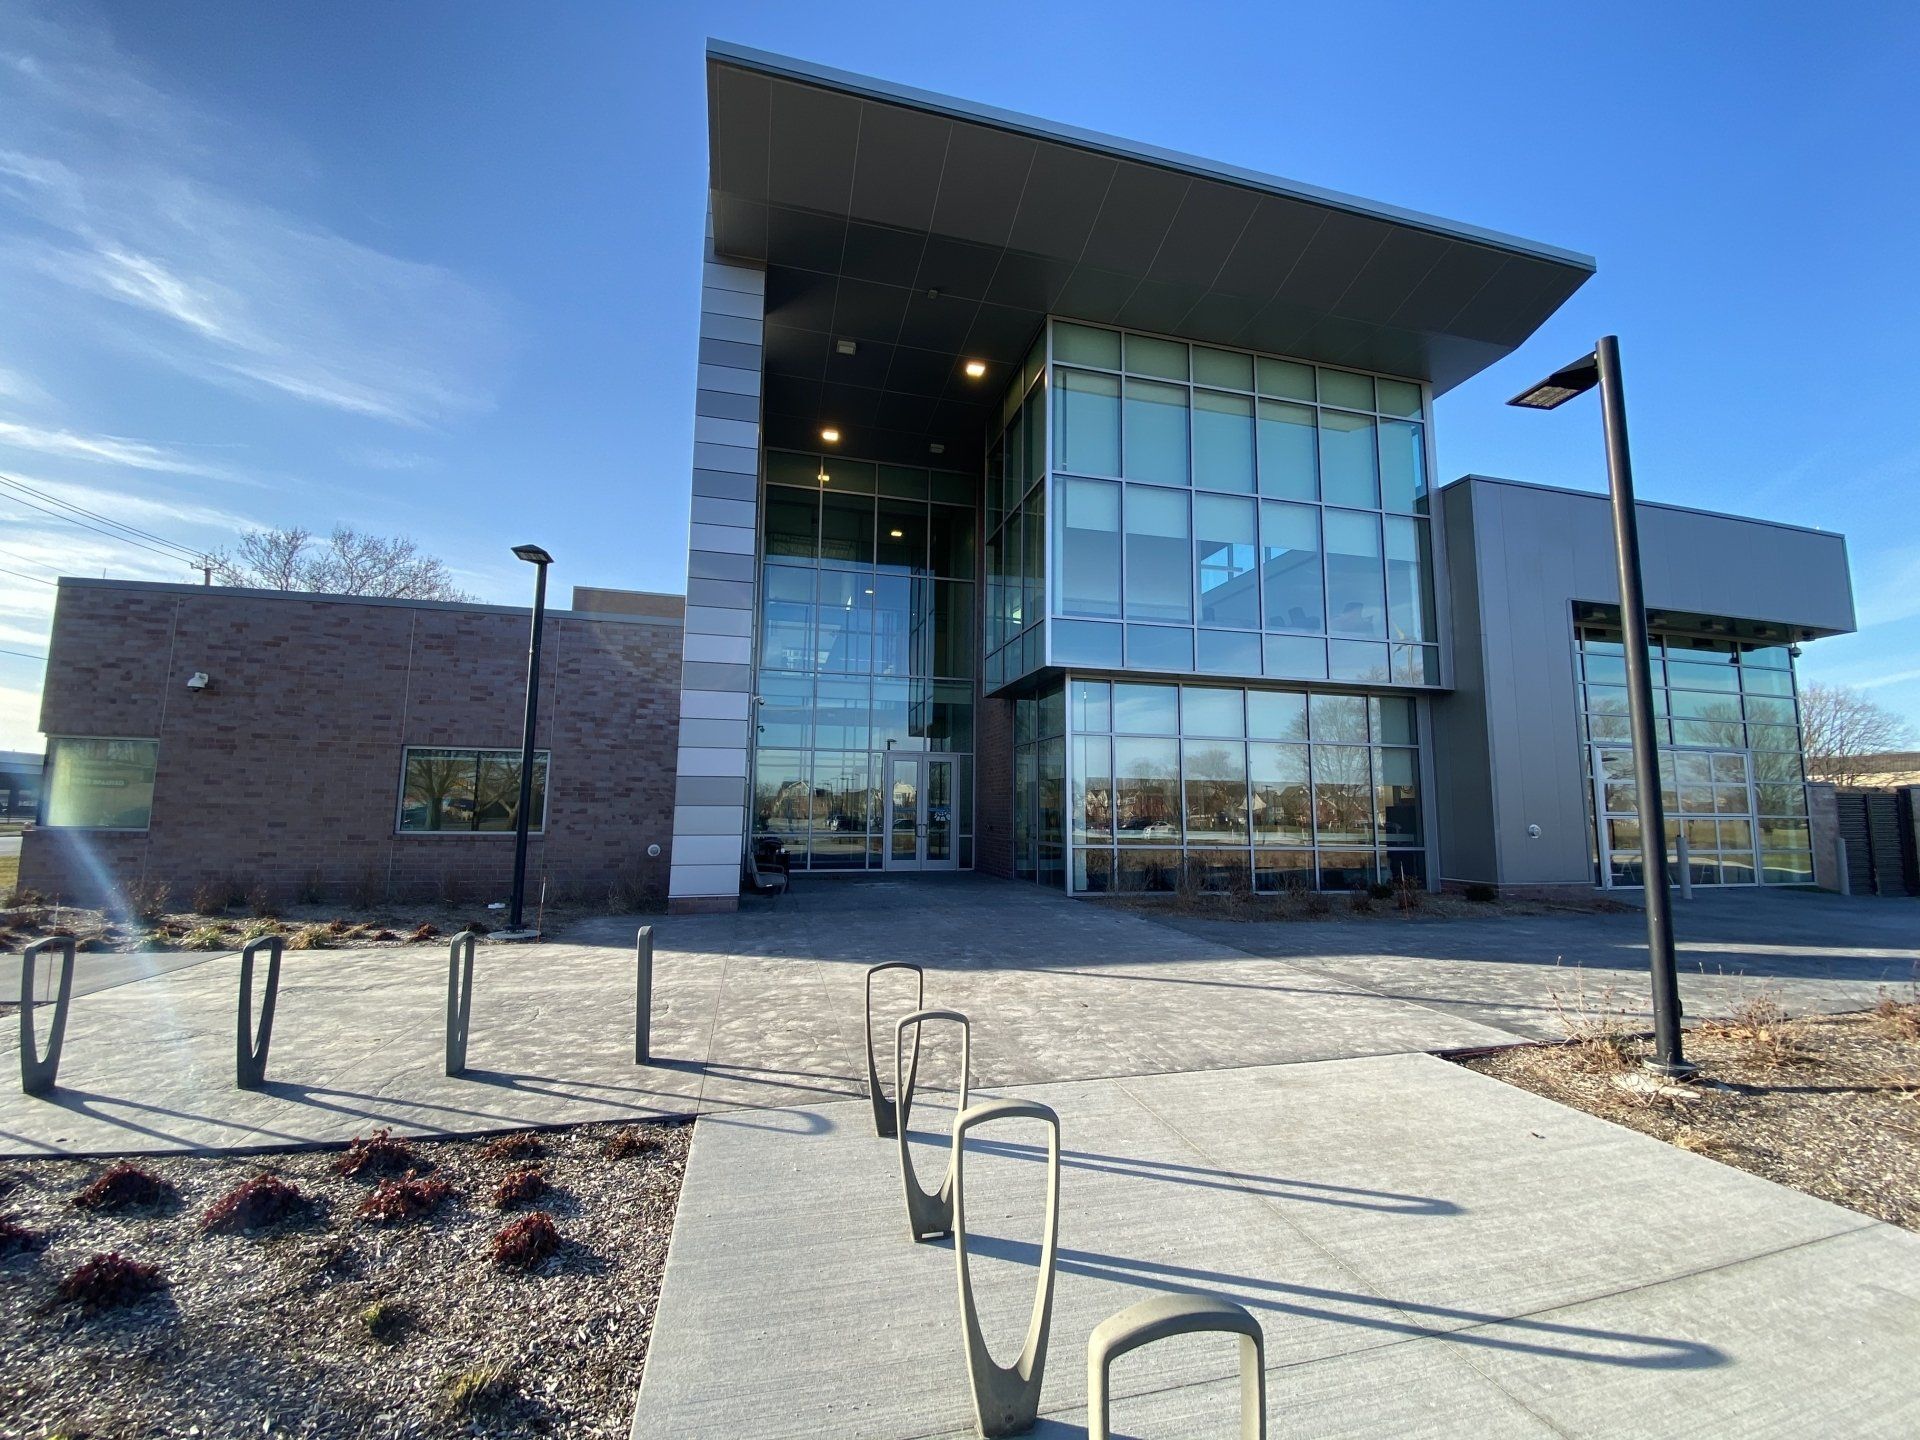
1380	902
446	1288
1827	1104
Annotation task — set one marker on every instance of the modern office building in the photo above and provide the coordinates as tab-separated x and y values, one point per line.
1063	508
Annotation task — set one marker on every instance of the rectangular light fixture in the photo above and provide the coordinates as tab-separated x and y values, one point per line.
1561	386
976	368
830	435
846	347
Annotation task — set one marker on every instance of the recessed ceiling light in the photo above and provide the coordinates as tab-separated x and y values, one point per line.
846	347
897	534
830	435
976	368
937	448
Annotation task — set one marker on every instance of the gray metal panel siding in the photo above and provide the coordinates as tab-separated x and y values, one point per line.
711	788
1523	555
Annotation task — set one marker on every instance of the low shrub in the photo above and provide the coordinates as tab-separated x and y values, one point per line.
627	1143
383	935
260	903
121	1186
16	1238
520	1145
630	892
378	1154
1316	902
452	890
147	899
110	1279
525	1242
1482	894
260	929
1901	1020
253	1203
473	927
423	932
367	889
310	937
518	1187
394	1202
1408	892
210	898
204	937
310	891
1380	890
1360	900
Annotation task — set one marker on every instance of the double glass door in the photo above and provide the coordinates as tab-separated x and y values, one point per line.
920	812
1707	796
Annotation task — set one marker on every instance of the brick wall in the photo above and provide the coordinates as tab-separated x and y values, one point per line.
286	769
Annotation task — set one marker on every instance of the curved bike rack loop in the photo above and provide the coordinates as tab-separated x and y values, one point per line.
1006	1398
882	1107
38	1071
929	1212
459	1000
1164	1316
250	1043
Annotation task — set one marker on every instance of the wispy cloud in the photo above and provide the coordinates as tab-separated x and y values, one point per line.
122	194
106	449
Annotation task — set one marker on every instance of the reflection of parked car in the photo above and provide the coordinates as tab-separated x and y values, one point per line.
1144	826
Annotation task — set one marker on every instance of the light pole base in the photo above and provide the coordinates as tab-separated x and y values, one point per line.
512	935
1671	1070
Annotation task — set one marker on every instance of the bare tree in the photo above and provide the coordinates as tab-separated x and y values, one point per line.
1843	730
347	562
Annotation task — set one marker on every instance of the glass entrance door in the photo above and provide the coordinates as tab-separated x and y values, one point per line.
920	813
1707	795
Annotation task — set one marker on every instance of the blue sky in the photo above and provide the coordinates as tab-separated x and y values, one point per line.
431	268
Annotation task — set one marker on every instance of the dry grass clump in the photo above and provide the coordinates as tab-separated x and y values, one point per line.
519	1186
478	1390
111	1279
521	1145
387	1320
379	1154
1599	1039
253	1203
394	1202
1900	1019
1761	1031
525	1242
627	1143
122	1186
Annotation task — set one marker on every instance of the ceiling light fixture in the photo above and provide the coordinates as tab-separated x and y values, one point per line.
976	369
846	347
896	534
830	435
937	448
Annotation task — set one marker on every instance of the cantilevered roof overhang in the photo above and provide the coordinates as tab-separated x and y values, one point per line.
930	231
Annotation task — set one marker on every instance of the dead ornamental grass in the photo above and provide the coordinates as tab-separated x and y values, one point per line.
1826	1104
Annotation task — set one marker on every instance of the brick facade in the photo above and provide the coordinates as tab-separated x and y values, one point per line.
285	771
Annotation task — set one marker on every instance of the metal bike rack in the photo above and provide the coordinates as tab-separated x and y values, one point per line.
643	996
38	1071
929	1212
459	1000
250	1043
883	1117
1006	1398
1168	1315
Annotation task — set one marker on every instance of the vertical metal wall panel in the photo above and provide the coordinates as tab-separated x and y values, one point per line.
716	680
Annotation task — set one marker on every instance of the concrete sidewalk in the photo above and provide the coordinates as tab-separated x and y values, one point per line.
1430	1252
762	1008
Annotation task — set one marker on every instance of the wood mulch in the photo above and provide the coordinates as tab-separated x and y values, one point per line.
327	1322
1827	1104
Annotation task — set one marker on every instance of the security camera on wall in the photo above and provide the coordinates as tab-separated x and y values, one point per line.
198	680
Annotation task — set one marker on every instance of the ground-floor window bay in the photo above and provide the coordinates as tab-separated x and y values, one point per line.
1125	785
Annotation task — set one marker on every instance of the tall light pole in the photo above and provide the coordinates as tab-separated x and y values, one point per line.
1602	368
539	559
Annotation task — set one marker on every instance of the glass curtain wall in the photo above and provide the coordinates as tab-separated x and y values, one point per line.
1731	772
1226	513
1040	786
1266	789
866	644
1015	637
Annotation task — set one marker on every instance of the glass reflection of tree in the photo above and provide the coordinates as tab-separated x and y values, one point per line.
434	779
1344	794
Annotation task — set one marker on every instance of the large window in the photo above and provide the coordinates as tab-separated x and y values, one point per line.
1274	514
1731	774
99	784
1267	789
867	642
473	791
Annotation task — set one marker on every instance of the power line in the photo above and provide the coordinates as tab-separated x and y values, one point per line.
22	575
181	557
29	559
132	530
23	654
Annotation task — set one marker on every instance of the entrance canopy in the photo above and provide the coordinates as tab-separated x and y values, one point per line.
925	232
